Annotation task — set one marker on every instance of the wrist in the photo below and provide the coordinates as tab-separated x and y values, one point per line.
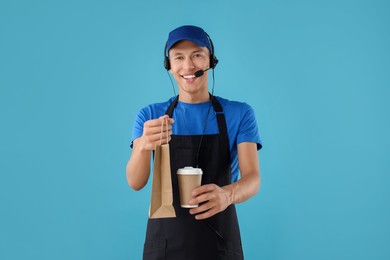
144	146
231	193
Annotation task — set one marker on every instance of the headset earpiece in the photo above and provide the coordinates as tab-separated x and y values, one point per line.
167	64
213	58
213	61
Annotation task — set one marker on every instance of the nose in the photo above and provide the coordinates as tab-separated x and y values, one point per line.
189	64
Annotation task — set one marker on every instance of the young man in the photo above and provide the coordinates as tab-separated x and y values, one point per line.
217	135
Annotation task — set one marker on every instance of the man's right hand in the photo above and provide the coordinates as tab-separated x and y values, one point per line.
156	132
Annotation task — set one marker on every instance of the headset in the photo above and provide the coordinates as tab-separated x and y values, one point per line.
213	58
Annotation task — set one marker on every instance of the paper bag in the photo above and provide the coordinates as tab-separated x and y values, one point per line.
161	204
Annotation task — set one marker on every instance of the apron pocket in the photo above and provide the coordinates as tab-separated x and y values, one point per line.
155	250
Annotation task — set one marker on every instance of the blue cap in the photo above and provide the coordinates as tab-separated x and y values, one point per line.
190	33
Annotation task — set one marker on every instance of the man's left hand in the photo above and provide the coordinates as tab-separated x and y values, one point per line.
213	199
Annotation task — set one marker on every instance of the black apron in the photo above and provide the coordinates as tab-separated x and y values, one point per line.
184	237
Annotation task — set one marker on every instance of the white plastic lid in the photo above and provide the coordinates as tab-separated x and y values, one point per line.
189	170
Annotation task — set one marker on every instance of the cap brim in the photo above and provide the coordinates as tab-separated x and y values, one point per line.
196	41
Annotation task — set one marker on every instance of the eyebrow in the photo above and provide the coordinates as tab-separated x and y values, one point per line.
180	53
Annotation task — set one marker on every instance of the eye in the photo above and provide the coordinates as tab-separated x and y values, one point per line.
178	58
197	55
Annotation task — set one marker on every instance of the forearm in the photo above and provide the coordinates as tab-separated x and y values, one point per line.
249	183
138	168
243	189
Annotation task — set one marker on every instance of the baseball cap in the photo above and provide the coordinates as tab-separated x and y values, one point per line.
190	33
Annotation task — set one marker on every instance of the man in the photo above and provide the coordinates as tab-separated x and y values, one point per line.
217	135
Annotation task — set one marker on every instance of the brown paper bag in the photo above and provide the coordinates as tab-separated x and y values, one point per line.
161	204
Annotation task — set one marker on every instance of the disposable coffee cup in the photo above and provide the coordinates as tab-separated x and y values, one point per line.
189	179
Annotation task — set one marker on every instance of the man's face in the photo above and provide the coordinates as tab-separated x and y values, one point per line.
186	57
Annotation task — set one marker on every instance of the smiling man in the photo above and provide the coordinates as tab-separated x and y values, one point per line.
215	134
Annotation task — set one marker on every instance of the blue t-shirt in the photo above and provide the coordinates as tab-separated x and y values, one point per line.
190	119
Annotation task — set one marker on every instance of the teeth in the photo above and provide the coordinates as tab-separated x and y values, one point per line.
189	76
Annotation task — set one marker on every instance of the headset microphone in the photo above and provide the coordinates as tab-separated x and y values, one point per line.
200	73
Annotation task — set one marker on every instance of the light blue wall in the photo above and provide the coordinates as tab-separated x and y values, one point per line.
74	73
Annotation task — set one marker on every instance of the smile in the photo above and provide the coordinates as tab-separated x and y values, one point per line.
188	76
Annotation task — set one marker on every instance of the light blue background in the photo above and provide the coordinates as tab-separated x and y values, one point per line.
73	74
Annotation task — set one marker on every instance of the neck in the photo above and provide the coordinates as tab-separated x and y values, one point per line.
194	98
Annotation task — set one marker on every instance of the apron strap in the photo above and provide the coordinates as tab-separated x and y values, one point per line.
220	115
171	107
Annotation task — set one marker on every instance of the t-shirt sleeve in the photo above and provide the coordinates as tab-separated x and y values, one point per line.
248	130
